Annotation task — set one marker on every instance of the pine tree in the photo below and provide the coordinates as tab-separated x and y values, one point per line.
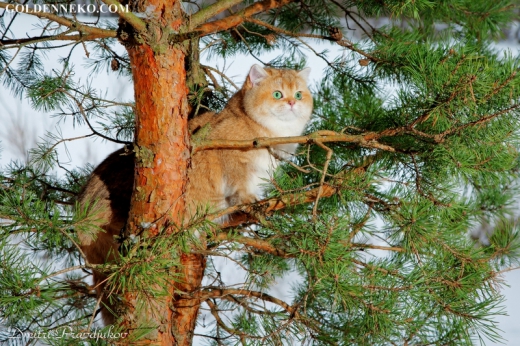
412	145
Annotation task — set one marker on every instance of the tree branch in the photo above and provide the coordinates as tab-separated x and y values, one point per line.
211	11
272	204
267	247
228	22
94	132
322	180
287	32
137	23
367	140
255	243
338	38
59	37
66	270
216	292
441	136
214	312
376	247
74	25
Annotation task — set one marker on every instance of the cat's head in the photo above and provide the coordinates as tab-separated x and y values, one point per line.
278	99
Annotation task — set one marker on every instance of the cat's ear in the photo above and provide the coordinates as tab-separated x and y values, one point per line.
304	74
256	74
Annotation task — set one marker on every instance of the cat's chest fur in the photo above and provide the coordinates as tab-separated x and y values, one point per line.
264	162
263	166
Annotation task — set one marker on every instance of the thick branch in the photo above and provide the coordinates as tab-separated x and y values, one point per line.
230	21
365	140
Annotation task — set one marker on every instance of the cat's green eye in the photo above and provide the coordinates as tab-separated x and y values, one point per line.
298	95
277	95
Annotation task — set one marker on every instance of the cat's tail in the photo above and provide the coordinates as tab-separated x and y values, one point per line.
98	249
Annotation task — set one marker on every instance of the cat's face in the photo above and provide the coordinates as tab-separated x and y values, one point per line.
278	99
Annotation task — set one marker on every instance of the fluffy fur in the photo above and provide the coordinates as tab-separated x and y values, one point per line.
229	177
271	103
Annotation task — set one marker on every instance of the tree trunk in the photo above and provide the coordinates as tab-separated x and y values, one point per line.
162	156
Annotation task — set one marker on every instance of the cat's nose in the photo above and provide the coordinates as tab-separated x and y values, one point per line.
291	102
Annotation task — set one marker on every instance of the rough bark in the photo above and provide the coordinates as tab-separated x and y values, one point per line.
162	155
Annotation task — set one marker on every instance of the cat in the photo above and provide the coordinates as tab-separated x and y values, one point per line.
271	103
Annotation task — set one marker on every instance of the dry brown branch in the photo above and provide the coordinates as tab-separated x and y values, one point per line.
59	37
507	270
347	44
93	316
216	292
379	269
500	87
367	140
231	295
259	244
214	312
323	175
83	29
242	213
360	225
274	154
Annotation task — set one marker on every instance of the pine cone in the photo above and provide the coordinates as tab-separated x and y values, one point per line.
114	64
335	33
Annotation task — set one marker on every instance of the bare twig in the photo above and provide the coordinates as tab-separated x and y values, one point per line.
221	74
63	271
215	292
98	302
94	132
323	175
75	25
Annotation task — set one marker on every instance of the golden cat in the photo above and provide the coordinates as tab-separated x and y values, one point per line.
271	103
